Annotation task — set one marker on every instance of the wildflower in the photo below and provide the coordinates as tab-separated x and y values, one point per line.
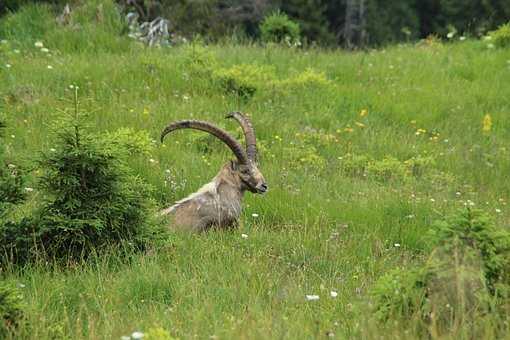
244	236
39	44
29	189
363	113
432	200
8	65
49	67
146	111
349	129
45	50
450	35
312	297
137	335
71	86
333	294
498	210
52	150
185	97
462	38
16	51
361	125
255	215
487	123
397	245
152	160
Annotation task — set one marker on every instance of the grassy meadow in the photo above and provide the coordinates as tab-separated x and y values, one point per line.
362	152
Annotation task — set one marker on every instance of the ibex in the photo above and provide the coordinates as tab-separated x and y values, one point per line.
218	203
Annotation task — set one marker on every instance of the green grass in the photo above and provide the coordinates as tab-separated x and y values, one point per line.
320	227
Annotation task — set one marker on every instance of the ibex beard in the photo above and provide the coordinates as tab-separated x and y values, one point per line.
218	204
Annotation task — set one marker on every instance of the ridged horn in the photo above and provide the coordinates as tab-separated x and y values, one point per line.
249	134
221	134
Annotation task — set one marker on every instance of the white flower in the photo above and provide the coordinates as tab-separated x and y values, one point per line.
397	245
333	294
432	200
458	193
254	215
498	210
71	86
462	38
312	297
450	35
49	67
16	51
39	44
29	189
152	160
137	335
8	65
244	236
21	285
45	50
13	136
52	150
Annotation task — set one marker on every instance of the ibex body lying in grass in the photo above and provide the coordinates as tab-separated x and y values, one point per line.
218	203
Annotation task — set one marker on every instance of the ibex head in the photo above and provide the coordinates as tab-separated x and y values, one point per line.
245	166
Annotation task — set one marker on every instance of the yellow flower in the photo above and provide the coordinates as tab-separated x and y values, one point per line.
146	111
487	123
363	113
349	129
361	125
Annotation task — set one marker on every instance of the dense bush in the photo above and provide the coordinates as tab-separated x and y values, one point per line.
11	309
277	27
243	80
501	36
465	277
92	199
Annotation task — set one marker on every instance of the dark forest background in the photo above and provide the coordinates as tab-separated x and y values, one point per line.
342	22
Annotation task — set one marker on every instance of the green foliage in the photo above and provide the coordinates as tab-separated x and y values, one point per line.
277	27
463	279
134	143
501	36
93	199
11	309
401	293
243	80
158	333
474	229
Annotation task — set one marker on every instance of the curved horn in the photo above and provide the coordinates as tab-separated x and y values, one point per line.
249	134
221	134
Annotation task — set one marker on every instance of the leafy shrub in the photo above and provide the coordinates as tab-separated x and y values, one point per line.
309	79
386	169
131	141
199	63
277	27
11	309
464	279
501	36
243	80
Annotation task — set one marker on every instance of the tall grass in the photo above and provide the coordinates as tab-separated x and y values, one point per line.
321	228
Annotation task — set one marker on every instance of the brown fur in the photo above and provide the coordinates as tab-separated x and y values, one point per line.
217	204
